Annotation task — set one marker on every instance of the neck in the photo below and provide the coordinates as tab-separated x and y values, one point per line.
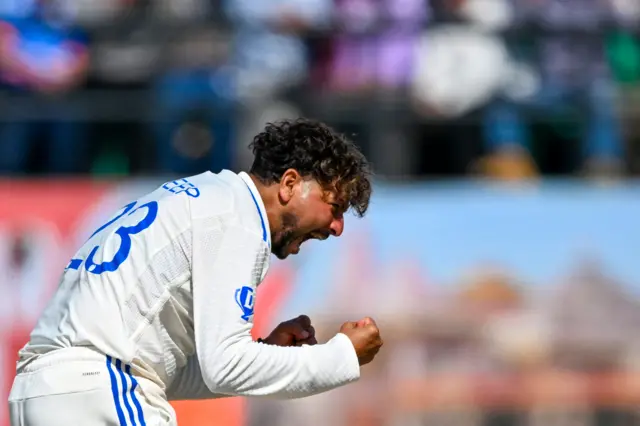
269	196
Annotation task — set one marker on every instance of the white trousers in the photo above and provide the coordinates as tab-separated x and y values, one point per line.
80	387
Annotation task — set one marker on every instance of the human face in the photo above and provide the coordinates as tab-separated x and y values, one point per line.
310	212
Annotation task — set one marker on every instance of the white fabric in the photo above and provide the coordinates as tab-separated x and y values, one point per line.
78	386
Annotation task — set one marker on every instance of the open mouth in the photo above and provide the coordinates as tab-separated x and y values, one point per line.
295	245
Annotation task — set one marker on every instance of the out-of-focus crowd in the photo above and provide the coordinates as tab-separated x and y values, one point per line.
506	88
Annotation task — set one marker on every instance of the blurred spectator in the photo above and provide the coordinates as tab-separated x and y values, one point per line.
377	46
574	76
91	12
202	96
459	68
193	127
624	54
461	63
269	50
126	50
271	56
44	54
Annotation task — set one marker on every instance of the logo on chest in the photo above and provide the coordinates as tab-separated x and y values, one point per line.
245	298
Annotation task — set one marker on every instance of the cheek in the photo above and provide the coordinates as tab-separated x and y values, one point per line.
314	215
323	219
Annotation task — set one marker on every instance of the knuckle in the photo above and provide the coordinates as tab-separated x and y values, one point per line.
304	319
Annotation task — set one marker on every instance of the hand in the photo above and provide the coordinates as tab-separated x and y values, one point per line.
365	336
295	332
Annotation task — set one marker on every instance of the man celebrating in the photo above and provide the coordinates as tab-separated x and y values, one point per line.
158	303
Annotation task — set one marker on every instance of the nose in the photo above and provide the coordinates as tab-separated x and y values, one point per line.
337	227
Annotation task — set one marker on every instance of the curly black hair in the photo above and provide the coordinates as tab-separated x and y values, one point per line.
317	151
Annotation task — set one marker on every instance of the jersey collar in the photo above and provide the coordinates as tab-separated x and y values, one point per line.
262	211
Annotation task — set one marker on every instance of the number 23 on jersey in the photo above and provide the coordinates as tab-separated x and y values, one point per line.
125	233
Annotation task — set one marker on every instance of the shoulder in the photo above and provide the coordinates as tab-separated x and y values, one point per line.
224	196
209	194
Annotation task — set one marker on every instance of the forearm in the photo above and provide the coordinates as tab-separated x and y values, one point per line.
262	371
247	368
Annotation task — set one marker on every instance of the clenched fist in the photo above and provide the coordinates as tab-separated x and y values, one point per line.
365	337
295	332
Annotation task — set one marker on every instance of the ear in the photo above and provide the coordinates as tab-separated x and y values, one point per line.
289	180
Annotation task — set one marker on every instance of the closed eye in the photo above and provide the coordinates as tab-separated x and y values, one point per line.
338	210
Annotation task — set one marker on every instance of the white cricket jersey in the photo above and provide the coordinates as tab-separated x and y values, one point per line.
167	286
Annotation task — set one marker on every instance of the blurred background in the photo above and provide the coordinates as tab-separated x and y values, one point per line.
501	255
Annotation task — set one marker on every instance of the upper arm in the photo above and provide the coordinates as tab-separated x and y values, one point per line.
227	266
